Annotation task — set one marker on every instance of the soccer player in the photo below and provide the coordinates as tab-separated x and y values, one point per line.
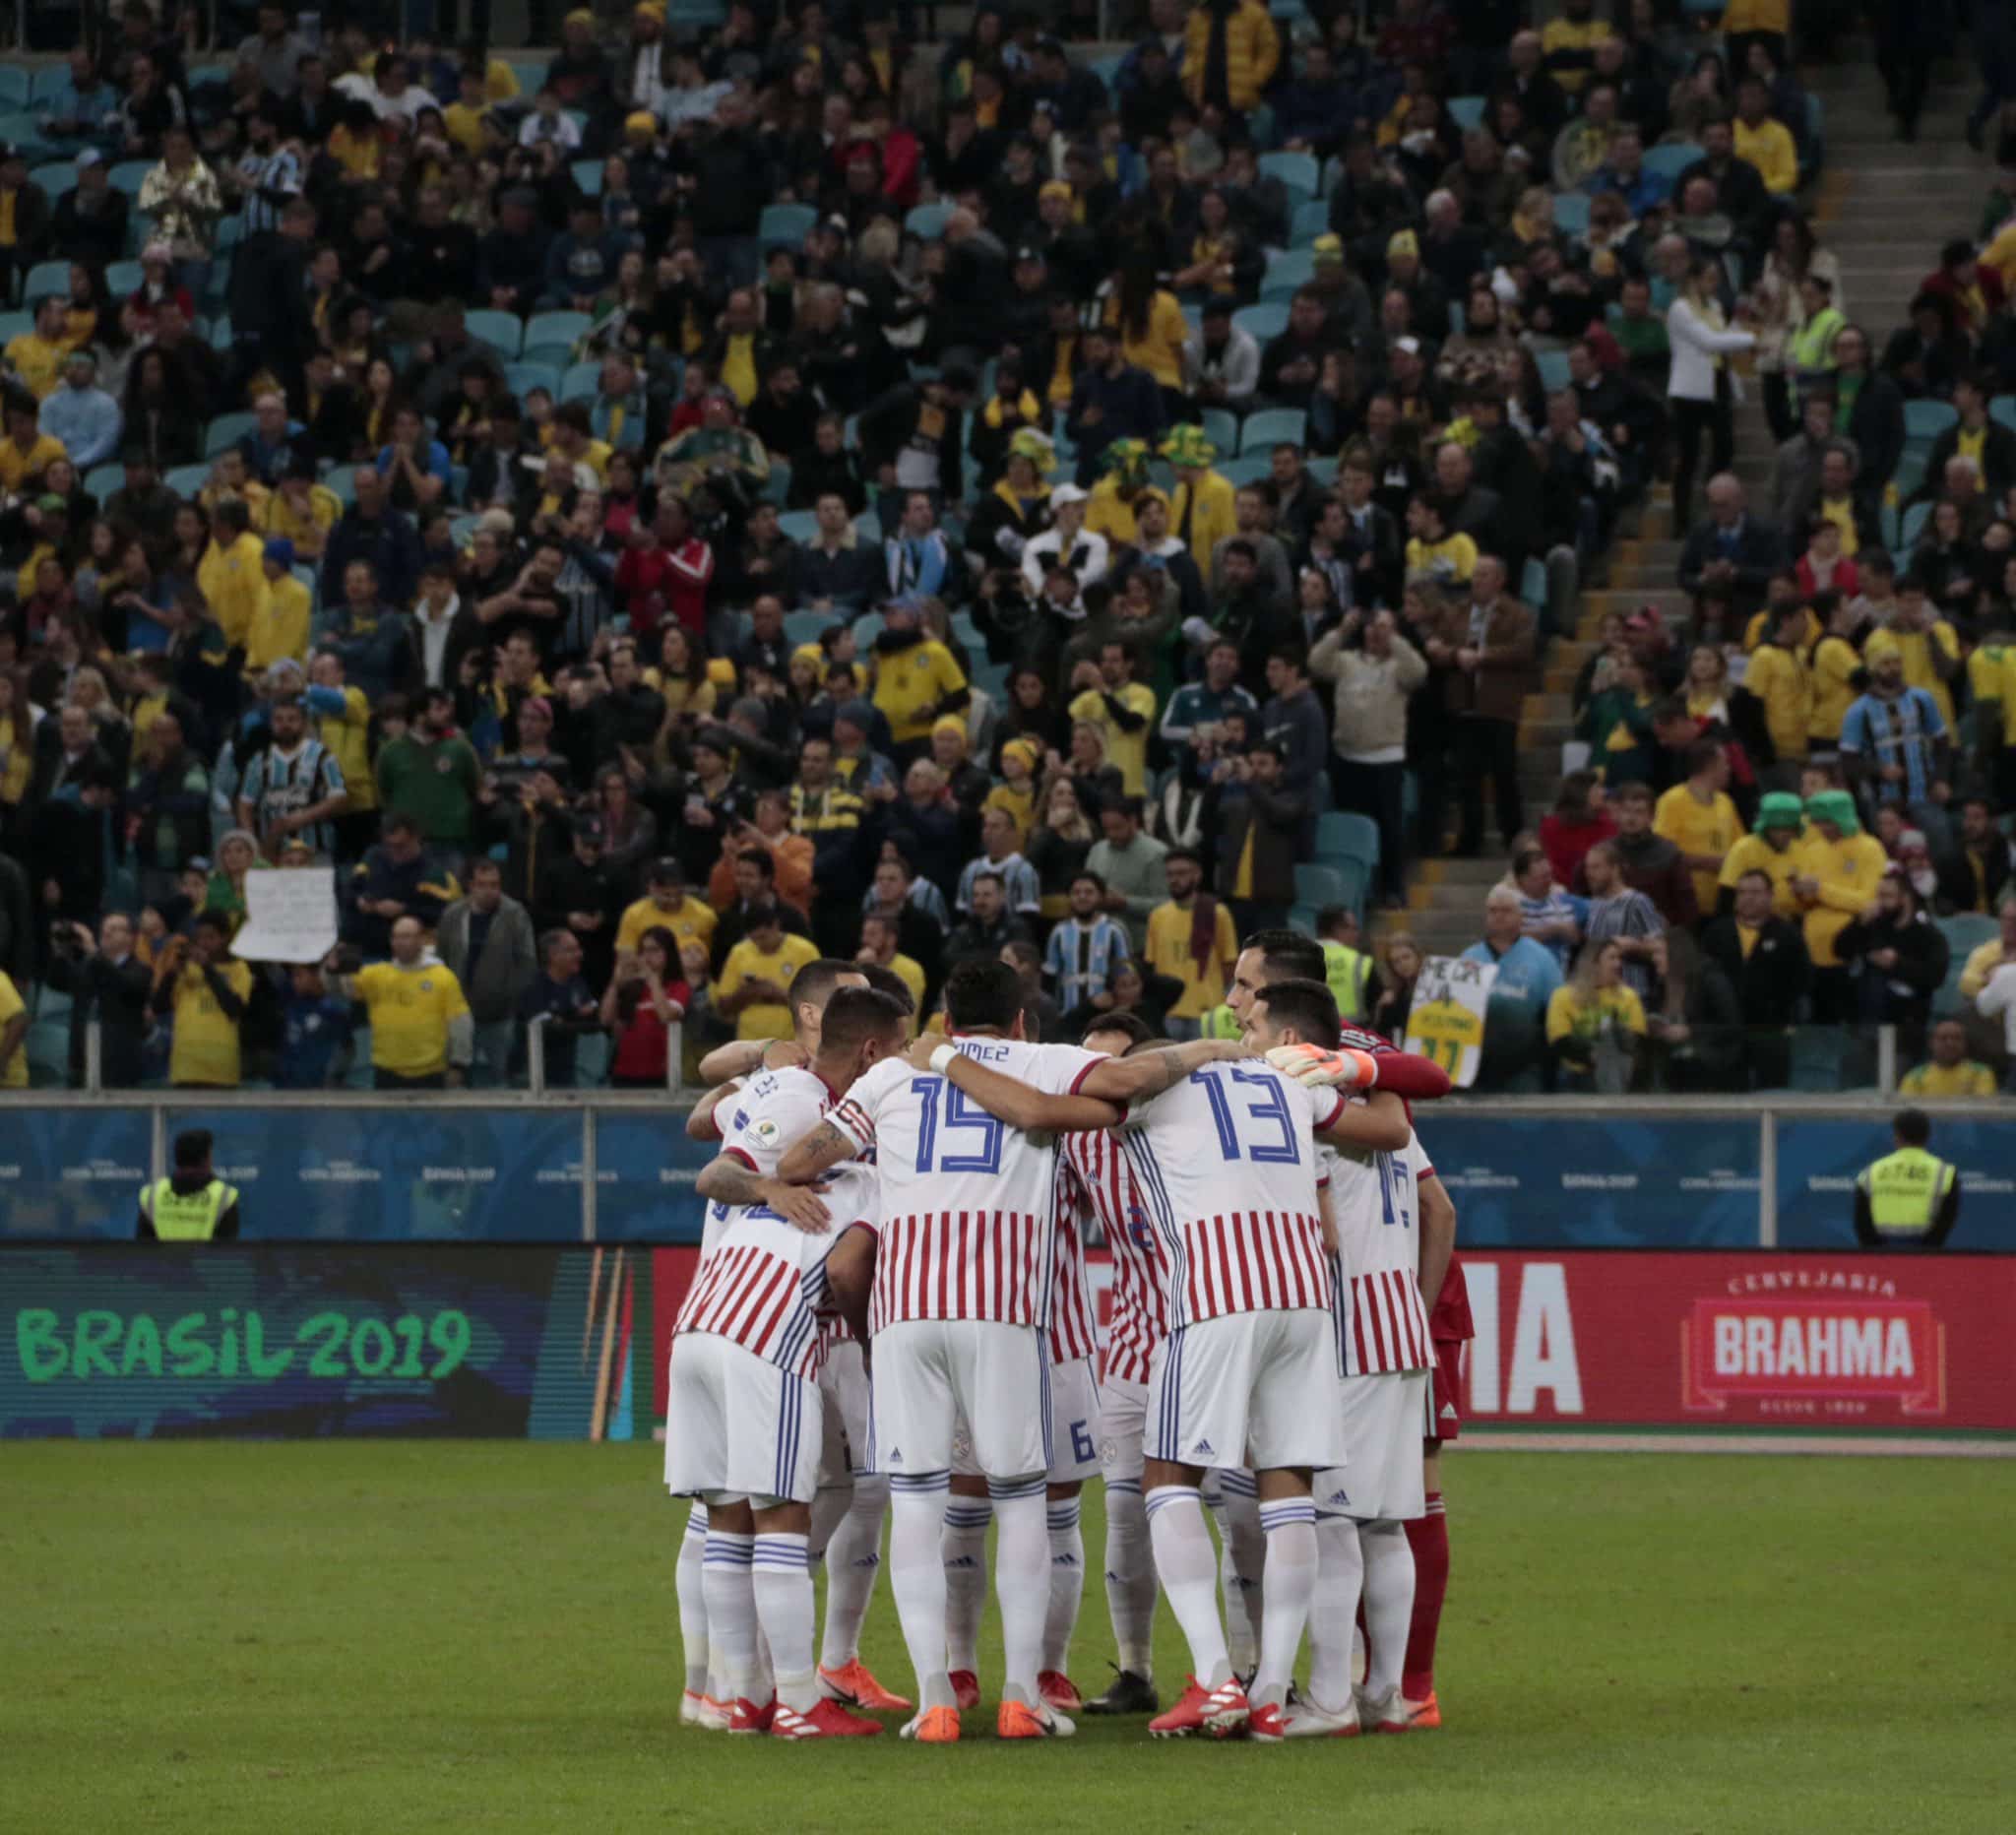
1277	955
1384	1352
1248	1287
958	1308
745	1416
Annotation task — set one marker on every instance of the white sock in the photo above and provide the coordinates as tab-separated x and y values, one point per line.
1389	1603
854	1557
1021	1581
1243	1559
1189	1576
731	1614
1067	1581
916	1577
693	1600
1334	1609
964	1544
782	1582
1130	1577
1290	1526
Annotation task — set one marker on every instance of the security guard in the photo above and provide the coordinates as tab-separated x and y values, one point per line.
192	1206
1910	1198
1352	977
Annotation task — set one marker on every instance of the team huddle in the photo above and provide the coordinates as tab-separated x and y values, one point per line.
892	1314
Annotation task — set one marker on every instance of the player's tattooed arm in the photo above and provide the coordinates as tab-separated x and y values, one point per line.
1145	1075
805	1160
730	1180
739	1057
1378	1125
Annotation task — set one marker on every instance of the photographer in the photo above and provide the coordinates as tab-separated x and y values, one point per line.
107	981
196	980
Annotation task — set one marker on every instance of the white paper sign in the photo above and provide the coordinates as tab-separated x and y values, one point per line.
290	914
1446	1021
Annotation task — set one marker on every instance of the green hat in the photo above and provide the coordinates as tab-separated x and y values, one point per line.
1126	460
1036	446
1836	807
1780	809
1188	445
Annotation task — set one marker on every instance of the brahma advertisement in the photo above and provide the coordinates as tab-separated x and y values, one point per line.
1891	1341
1602	1339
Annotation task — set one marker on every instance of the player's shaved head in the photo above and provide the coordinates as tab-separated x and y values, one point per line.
1301	1006
888	981
1270	956
813	987
856	1017
984	994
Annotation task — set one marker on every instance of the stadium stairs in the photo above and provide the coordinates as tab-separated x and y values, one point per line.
1884	208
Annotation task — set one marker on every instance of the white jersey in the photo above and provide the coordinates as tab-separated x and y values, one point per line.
1382	1322
758	1123
1105	1176
1226	1163
968	1225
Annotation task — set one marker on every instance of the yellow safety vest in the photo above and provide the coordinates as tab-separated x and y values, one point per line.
1347	970
1905	1190
186	1216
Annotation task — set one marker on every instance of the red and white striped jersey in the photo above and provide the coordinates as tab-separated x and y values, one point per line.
1225	1161
968	1228
758	1123
1383	1323
1139	1320
762	1288
850	1194
1073	1332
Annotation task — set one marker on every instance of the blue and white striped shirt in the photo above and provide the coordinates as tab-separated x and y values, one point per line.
276	172
1017	878
1905	731
1081	959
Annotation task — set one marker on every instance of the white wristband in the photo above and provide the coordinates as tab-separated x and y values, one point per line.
943	1056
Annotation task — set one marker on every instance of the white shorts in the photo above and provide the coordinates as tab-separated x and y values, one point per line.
1255	1389
738	1426
844	1388
1075	1404
1381	1476
943	1389
1123	1414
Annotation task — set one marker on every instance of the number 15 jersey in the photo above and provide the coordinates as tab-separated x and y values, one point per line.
967	1226
1225	1161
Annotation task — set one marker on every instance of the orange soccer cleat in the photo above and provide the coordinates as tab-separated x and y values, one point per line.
933	1726
1422	1716
854	1686
1058	1690
966	1689
826	1718
1016	1720
1220	1712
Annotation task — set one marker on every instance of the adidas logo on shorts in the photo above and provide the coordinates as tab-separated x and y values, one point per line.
1205	1450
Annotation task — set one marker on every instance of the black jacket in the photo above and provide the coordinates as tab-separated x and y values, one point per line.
117	996
1758	554
1771	979
1273	819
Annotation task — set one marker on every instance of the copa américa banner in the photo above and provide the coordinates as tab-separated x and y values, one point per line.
1896	1341
281	1342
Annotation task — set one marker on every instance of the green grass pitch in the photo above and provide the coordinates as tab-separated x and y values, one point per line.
402	1637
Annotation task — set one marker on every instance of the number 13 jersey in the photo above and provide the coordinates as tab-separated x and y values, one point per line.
1225	1161
967	1226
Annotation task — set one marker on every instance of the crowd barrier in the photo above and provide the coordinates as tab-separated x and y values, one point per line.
312	1340
1670	1172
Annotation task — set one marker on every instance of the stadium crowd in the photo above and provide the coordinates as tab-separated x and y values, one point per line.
729	493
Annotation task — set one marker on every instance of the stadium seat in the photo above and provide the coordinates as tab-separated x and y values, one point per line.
1965	933
587	177
1532	583
1671	160
102	479
1221	429
462	528
1247	469
800	525
1925	420
1344	837
580	382
55	179
785	224
15	325
129	175
1554	369
1298	171
43	279
1916	516
565	329
185	480
1571	212
926	222
804	627
1323	471
1289	268
123	278
1264	322
1264	431
1107	70
1466	112
342	482
1321	882
1311	219
777	487
522	378
2003	409
227	430
503	332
